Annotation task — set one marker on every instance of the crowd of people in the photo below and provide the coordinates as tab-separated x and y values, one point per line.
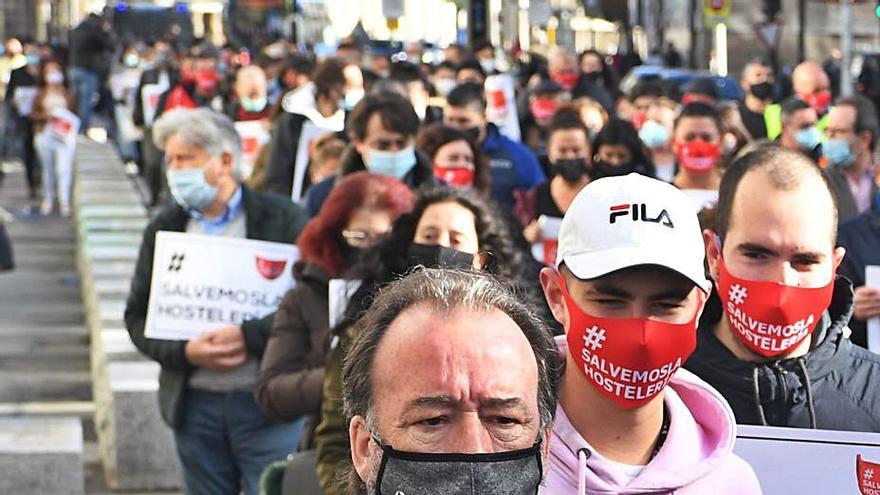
559	287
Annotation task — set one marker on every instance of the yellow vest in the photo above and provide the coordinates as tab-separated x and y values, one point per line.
773	121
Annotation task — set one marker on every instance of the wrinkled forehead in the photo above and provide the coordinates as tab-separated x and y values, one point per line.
464	353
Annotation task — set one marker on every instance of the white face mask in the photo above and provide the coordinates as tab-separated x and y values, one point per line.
54	77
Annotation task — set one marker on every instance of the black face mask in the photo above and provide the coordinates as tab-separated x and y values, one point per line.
570	169
604	169
350	253
761	91
472	133
438	257
509	473
594	76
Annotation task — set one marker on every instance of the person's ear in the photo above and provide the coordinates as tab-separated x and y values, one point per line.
361	452
837	257
550	280
865	141
713	251
361	147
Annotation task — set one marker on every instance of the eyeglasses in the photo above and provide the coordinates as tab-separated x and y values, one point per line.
359	238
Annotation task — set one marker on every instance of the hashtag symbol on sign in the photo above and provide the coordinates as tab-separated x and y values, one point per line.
594	337
869	474
738	294
176	262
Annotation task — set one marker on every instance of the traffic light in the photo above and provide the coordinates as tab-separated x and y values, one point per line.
877	10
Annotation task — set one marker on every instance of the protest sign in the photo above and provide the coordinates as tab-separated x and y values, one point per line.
310	132
811	462
190	295
339	292
24	97
545	250
501	105
253	137
63	125
150	101
872	279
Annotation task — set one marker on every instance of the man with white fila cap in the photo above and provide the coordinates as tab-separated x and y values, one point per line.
629	289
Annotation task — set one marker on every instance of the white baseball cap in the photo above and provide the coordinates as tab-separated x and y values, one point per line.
619	222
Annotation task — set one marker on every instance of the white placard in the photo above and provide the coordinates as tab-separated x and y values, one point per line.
309	133
202	282
701	198
807	462
150	100
339	292
253	137
63	125
501	105
545	250
24	97
128	132
872	279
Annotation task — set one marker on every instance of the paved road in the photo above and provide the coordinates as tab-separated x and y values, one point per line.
44	360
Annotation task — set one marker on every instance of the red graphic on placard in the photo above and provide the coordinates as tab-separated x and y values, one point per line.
153	100
270	269
60	126
249	145
869	476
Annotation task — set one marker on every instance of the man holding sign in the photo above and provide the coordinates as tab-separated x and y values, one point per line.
774	338
206	383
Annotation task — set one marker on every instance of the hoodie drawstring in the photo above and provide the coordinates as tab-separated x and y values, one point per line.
811	408
757	396
583	454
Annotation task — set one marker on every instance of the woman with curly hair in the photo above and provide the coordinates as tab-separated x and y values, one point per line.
359	211
447	227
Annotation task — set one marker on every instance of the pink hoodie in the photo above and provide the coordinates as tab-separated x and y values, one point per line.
696	458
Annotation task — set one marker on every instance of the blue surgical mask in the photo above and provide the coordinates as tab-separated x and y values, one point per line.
352	98
32	59
393	163
132	60
254	105
190	189
837	152
654	134
808	138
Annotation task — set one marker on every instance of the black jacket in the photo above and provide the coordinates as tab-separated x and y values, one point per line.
268	218
150	76
831	387
861	238
846	203
91	47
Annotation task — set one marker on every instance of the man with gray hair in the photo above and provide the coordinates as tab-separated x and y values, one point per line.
478	400
206	384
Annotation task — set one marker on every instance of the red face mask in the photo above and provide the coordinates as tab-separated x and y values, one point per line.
628	360
638	119
697	156
568	80
207	81
768	317
542	108
818	100
455	176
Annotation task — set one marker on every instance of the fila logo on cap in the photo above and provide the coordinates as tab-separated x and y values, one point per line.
639	213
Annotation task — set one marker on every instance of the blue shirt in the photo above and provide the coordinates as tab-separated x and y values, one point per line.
513	166
216	226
